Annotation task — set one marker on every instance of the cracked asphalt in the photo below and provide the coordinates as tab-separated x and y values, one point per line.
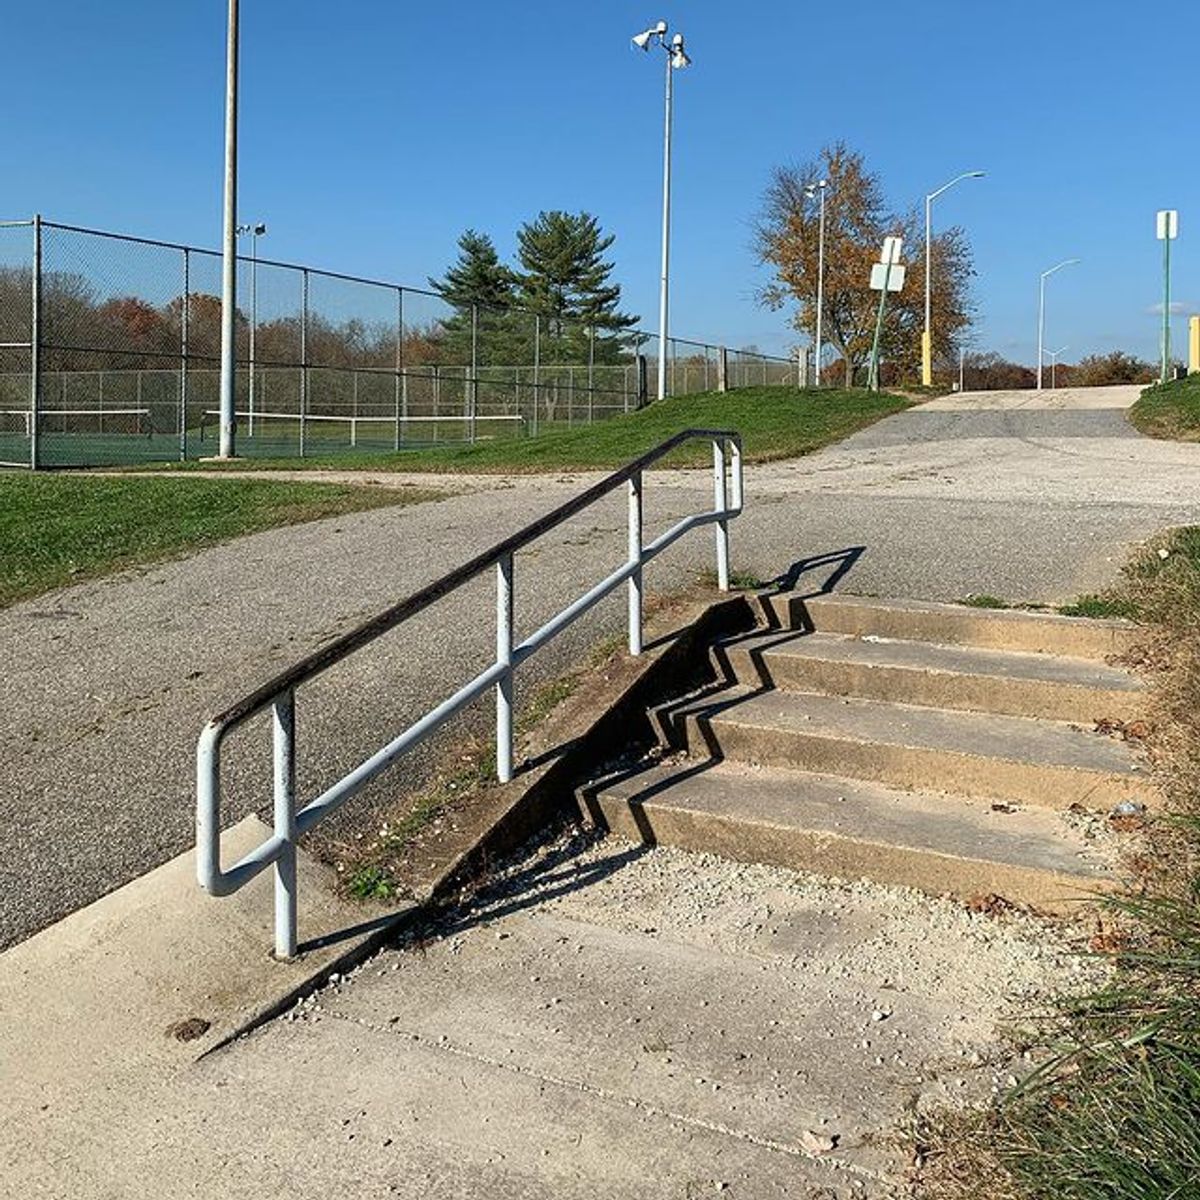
106	685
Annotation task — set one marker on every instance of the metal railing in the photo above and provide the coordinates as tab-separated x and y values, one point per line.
279	694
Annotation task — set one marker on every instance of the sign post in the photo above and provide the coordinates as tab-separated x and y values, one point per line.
1167	230
887	275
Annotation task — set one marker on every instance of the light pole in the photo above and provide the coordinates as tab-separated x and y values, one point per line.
1067	262
927	334
229	246
677	59
813	190
1167	229
1053	356
255	231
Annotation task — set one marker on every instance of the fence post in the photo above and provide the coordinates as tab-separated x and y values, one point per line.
303	358
184	315
722	369
472	397
643	382
801	367
635	556
537	368
401	378
35	344
720	505
591	371
283	722
504	687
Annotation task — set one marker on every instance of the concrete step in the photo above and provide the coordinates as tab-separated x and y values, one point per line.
852	829
957	625
1017	683
976	754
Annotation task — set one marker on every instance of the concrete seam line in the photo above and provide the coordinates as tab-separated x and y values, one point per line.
599	1093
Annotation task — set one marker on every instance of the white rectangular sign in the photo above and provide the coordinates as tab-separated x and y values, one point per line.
894	277
891	250
1168	223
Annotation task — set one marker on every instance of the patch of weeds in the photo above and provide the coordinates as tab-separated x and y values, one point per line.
739	581
983	600
544	701
1111	1113
1097	606
371	883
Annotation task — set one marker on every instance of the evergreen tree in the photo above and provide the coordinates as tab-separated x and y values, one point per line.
479	278
566	278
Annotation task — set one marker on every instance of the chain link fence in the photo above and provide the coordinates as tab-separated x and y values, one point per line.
110	354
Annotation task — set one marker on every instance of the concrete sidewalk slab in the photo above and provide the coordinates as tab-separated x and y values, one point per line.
89	1007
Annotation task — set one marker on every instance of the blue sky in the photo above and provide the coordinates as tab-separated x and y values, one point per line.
374	132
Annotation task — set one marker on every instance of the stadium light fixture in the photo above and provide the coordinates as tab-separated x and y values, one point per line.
927	334
255	230
677	59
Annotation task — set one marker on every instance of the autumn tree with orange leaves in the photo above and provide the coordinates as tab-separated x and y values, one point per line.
856	222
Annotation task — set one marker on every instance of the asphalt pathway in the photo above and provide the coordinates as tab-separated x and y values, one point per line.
105	685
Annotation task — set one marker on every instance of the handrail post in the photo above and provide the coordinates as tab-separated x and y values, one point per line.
283	723
504	688
635	556
720	504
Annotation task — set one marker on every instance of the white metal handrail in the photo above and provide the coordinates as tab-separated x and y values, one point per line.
280	693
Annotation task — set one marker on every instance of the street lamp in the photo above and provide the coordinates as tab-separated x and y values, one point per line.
1053	356
255	231
677	59
813	191
229	246
927	335
1067	262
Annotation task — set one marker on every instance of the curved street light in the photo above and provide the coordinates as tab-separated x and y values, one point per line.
677	59
812	191
927	335
1066	262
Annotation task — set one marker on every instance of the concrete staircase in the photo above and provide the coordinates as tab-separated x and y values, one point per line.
948	748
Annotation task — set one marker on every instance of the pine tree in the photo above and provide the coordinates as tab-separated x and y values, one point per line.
478	278
566	279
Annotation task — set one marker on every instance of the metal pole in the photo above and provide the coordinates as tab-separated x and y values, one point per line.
591	371
962	369
184	316
666	241
303	357
284	728
720	505
253	321
473	397
229	256
927	334
537	365
35	345
820	292
504	688
401	381
1166	329
873	374
1041	327
635	556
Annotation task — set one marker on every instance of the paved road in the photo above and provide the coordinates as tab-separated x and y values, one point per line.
105	685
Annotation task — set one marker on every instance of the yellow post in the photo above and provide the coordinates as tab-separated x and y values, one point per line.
1193	345
927	358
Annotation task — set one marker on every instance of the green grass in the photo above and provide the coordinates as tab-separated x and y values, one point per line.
1170	411
1099	605
61	529
983	600
1112	1115
775	423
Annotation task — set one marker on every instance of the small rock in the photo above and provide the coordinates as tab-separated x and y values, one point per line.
818	1143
